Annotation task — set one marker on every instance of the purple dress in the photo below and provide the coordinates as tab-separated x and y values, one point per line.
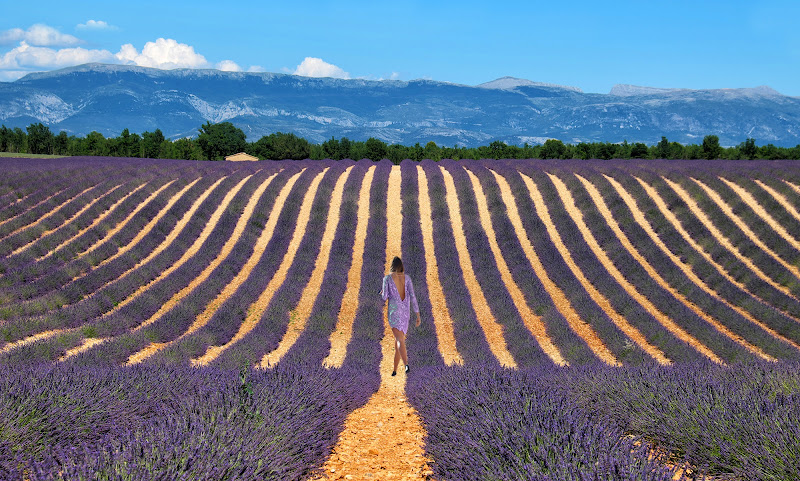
399	309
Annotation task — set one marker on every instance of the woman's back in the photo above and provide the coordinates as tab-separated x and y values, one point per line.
400	283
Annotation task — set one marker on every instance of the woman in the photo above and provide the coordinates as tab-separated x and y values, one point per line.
397	287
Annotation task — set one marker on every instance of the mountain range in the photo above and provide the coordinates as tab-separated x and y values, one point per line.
109	98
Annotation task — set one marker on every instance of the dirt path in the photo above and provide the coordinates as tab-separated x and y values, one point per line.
227	248
127	219
751	202
32	207
617	318
793	186
533	322
87	344
441	315
383	439
341	335
32	338
594	245
491	328
638	216
722	238
744	227
110	210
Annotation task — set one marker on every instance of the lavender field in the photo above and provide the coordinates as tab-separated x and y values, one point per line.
594	320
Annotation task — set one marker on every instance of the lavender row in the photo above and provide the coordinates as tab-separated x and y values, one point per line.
720	285
423	345
521	426
170	422
470	339
225	322
593	269
562	334
180	316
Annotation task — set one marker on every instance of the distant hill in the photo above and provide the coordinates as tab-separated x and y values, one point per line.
109	98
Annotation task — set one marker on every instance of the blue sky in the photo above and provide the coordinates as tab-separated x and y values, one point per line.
588	44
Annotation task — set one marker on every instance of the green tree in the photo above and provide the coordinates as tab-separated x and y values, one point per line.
218	140
40	139
662	148
432	151
375	149
151	144
711	147
748	149
553	149
640	150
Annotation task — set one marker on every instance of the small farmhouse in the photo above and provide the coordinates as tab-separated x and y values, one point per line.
241	156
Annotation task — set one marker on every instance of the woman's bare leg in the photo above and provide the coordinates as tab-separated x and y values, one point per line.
399	347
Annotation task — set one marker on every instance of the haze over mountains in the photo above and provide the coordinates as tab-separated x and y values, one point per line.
109	98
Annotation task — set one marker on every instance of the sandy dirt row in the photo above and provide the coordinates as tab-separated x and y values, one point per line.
32	338
341	335
638	216
383	439
443	323
728	210
103	216
490	326
617	318
779	198
557	296
31	207
721	238
594	245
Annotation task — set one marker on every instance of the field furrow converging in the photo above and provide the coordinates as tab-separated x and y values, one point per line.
761	212
224	253
441	316
663	318
722	238
340	336
11	218
728	210
532	321
780	198
491	328
689	273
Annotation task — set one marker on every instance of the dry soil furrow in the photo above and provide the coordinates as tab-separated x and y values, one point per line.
601	300
793	186
638	216
751	202
32	338
227	248
344	326
181	224
33	206
533	322
66	221
720	237
309	295
441	315
149	226
780	198
490	326
110	210
594	245
720	202
383	439
87	344
48	214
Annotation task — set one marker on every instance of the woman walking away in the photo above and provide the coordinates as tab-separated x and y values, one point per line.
397	287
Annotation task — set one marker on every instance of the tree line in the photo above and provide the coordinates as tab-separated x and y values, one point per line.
215	141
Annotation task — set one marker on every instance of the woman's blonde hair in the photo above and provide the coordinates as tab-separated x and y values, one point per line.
397	265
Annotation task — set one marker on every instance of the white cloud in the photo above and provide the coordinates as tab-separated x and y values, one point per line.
164	54
40	36
43	58
316	67
256	68
228	66
95	25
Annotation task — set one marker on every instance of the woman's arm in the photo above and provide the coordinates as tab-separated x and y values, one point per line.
410	290
385	288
